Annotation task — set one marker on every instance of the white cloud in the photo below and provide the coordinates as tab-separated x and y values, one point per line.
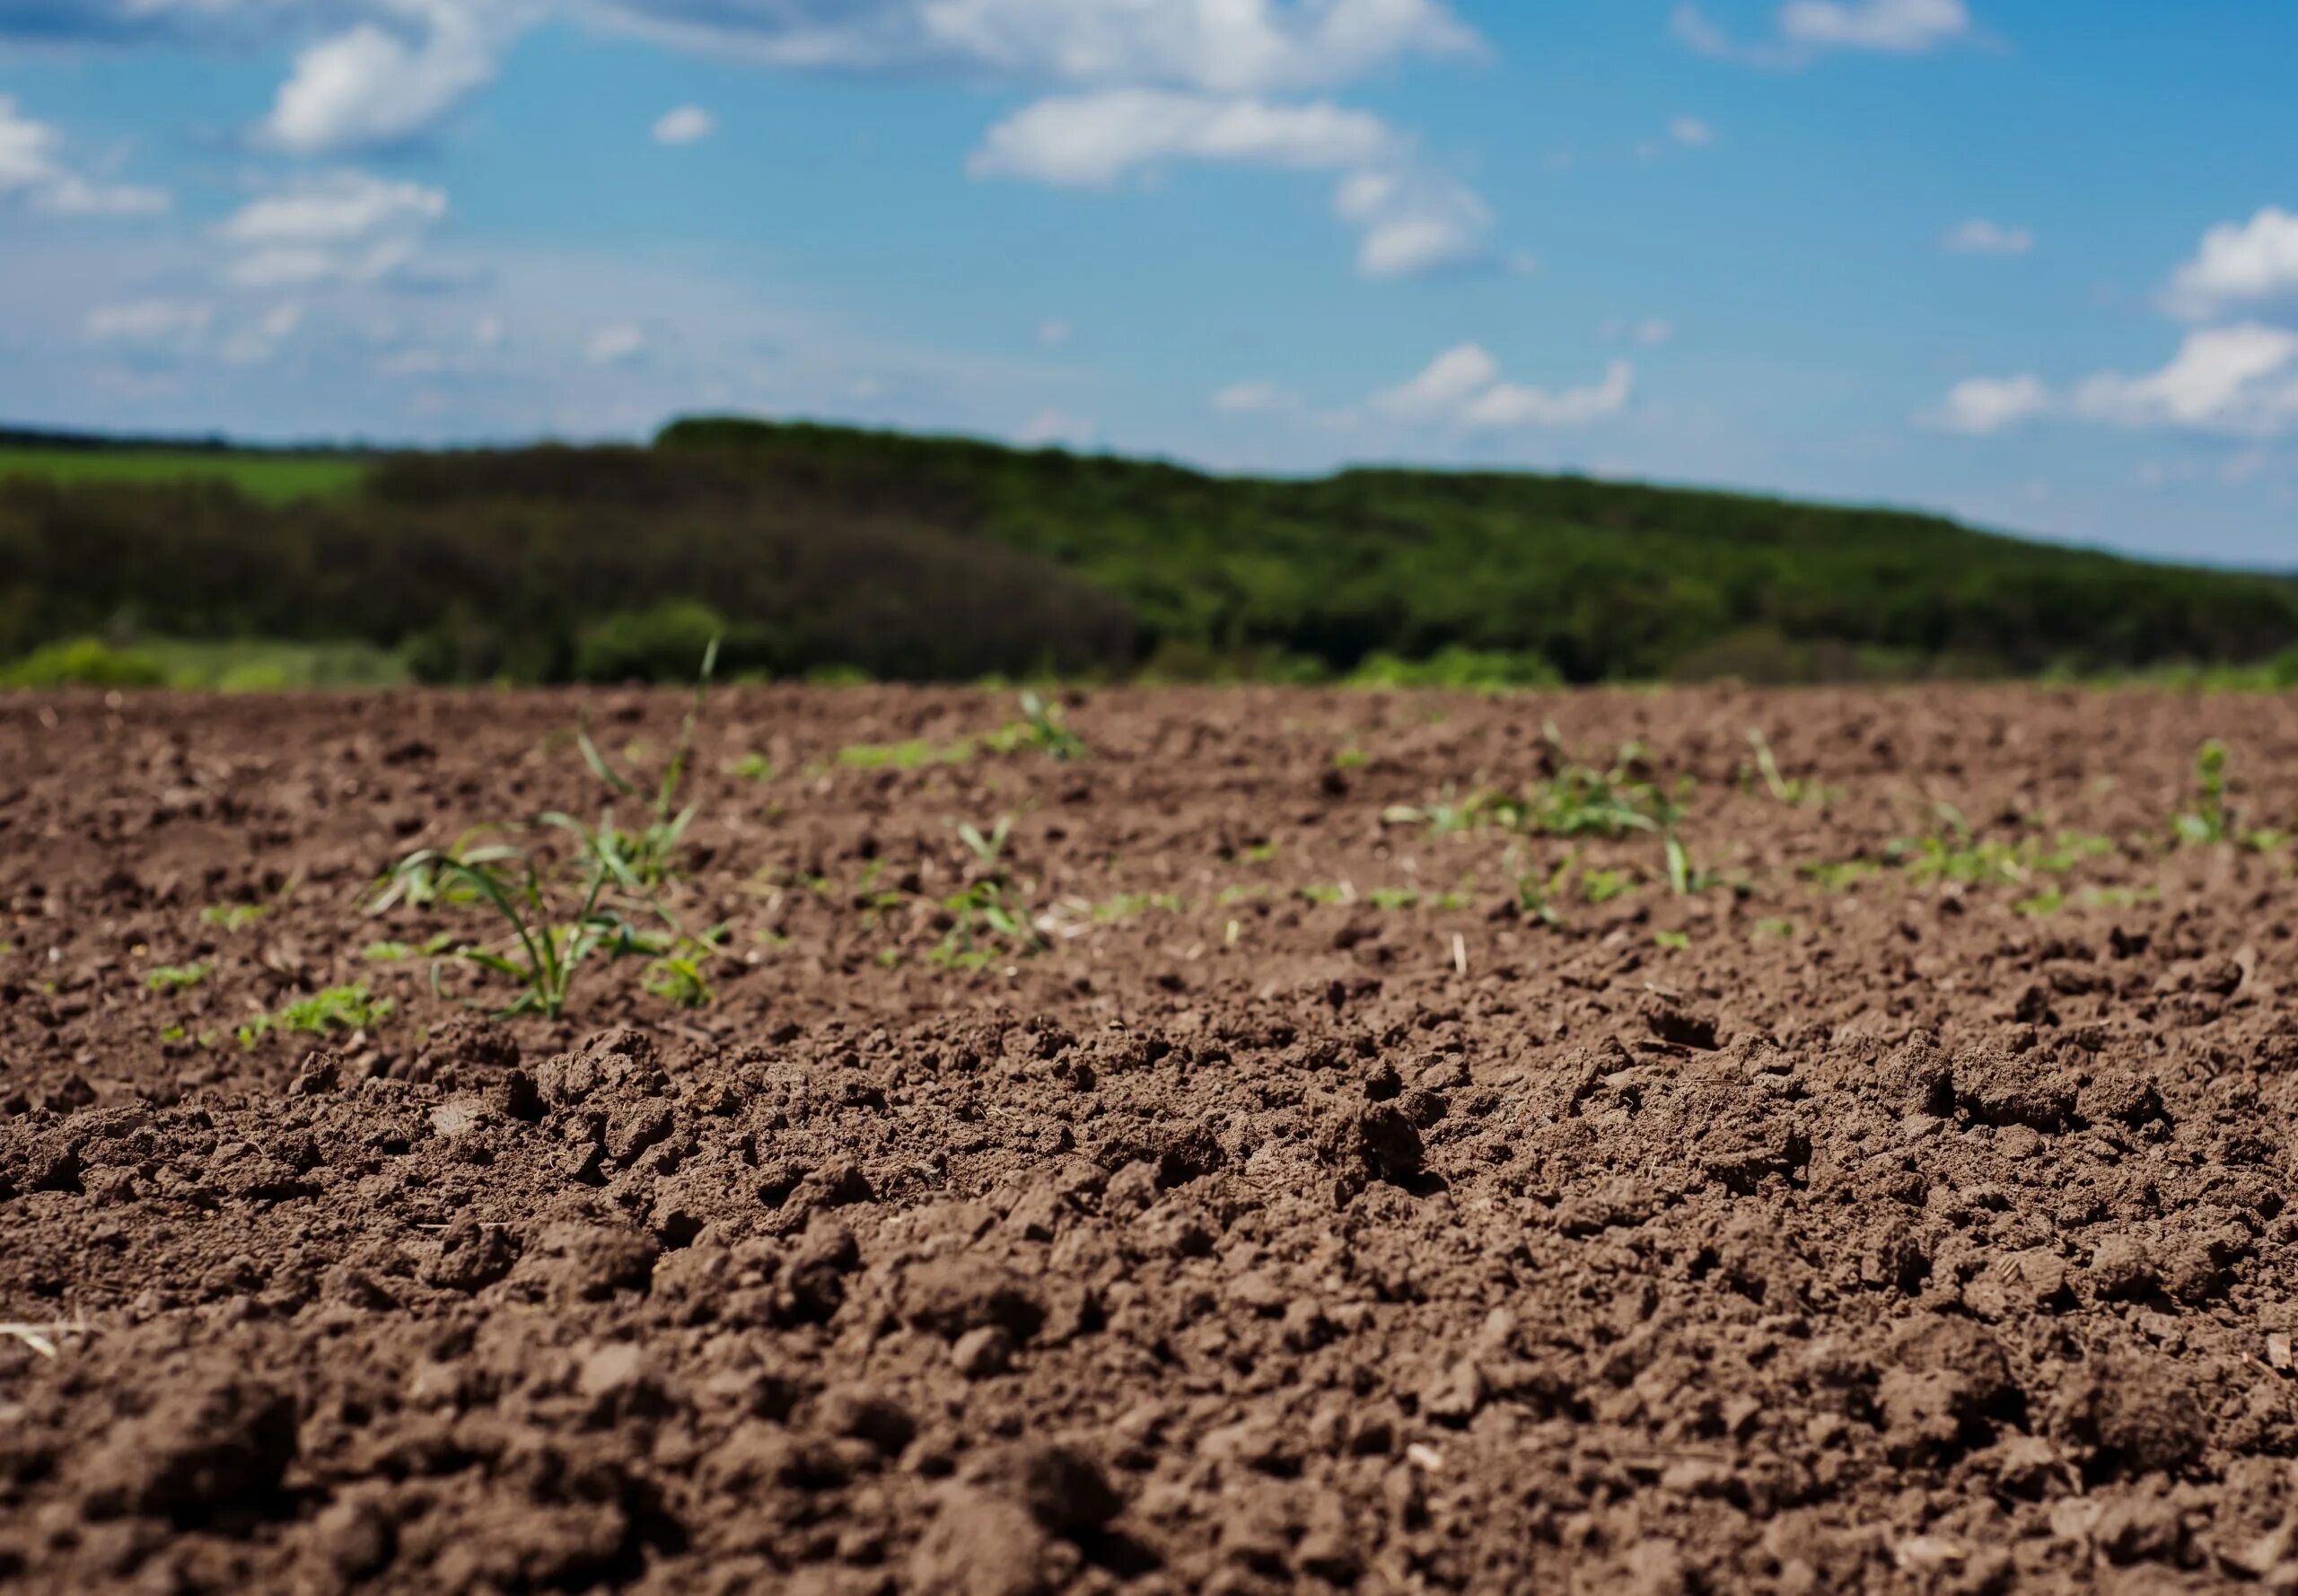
1979	236
1691	133
686	124
615	346
2239	263
337	226
32	169
1412	221
1222	47
1091	140
1048	429
1053	332
1980	405
2241	380
1256	399
1652	331
1462	388
1904	27
148	320
1806	29
392	76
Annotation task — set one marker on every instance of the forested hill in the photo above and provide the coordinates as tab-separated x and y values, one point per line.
808	546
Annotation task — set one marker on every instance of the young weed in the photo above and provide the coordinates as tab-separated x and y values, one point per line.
654	852
177	978
338	1008
233	916
1795	793
1042	728
1536	894
752	767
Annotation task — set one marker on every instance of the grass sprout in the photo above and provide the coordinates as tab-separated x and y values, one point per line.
177	978
338	1008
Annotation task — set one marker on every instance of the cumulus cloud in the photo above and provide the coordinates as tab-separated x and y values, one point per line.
2238	264
1462	388
2240	380
615	346
1904	27
1408	218
1979	236
686	124
1091	140
1255	399
148	320
1225	47
1980	405
393	76
1412	221
337	226
32	170
1806	28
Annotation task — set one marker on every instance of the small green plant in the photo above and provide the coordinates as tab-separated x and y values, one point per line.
987	925
990	849
2209	822
1793	792
1673	941
752	767
1602	886
177	978
1536	893
552	933
1840	875
1350	758
338	1008
233	916
1042	728
654	852
392	952
1772	929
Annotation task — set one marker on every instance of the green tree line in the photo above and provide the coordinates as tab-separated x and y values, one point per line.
904	556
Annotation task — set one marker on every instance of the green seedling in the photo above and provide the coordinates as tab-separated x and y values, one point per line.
1673	941
991	848
1794	792
339	1008
1350	758
752	767
2209	822
1840	875
1536	895
1977	861
177	978
549	940
1043	728
233	916
1777	929
914	754
390	953
1602	886
654	852
1126	906
986	926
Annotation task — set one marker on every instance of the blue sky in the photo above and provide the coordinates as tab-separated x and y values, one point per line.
2032	263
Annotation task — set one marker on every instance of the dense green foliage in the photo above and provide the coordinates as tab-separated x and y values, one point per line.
807	548
271	475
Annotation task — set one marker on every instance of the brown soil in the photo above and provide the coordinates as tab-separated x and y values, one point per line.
1269	1228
